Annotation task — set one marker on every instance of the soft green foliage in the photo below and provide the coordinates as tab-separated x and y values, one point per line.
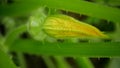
114	63
10	13
5	61
19	7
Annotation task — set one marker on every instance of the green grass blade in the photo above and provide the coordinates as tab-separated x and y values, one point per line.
48	62
21	60
10	38
5	61
19	8
78	6
84	62
61	62
101	49
86	8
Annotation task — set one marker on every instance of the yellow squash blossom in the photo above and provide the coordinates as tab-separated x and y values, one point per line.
63	26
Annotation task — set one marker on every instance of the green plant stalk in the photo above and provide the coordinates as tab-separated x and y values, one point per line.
21	60
61	63
11	36
96	49
84	62
48	62
7	42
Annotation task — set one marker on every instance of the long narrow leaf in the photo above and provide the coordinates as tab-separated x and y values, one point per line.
108	49
78	6
87	8
5	61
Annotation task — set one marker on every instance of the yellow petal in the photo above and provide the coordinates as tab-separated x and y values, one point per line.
62	26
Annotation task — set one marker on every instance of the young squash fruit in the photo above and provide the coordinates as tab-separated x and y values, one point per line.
63	26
